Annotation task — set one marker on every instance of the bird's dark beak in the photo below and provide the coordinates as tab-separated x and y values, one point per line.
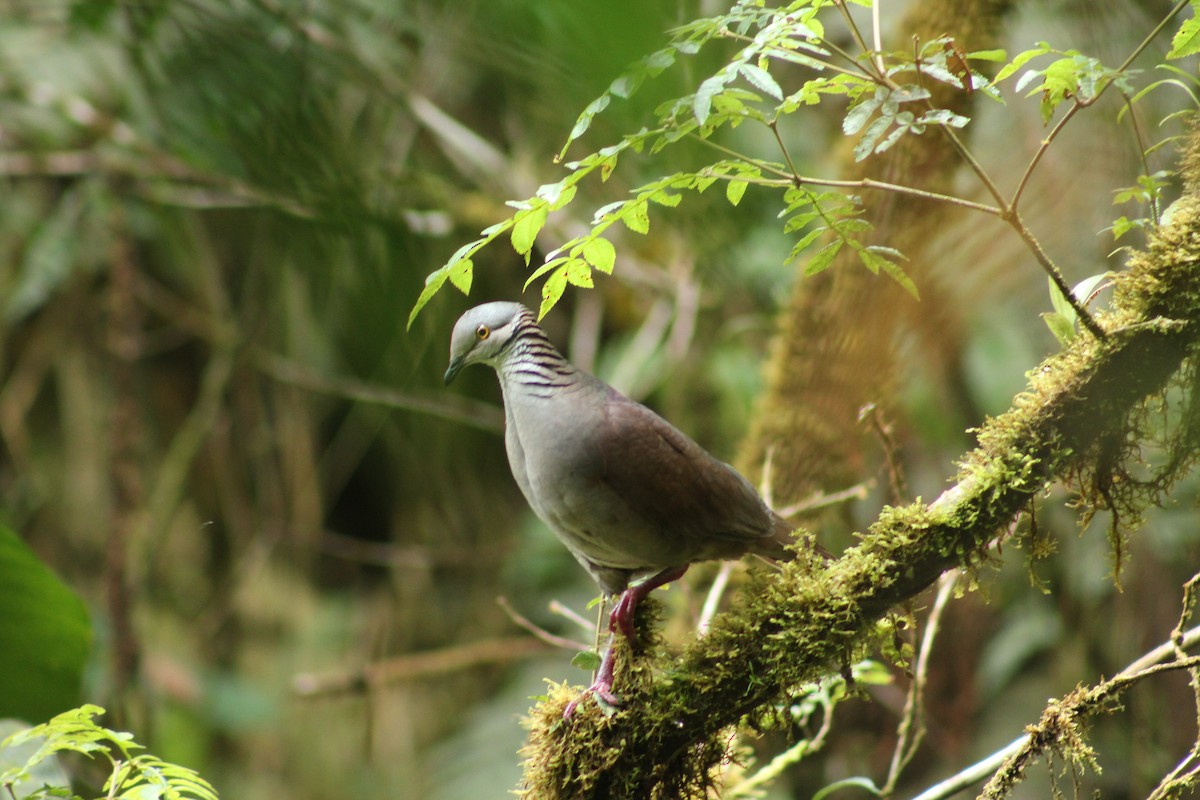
456	364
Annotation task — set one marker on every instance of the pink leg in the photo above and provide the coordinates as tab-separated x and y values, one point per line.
621	619
601	686
626	607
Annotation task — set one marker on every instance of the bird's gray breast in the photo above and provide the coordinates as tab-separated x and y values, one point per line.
556	457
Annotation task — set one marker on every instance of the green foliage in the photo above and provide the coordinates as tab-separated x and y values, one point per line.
1063	320
1072	76
888	96
1186	41
837	214
45	635
1148	192
131	777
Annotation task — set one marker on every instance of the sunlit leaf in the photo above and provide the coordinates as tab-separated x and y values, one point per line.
1186	40
734	191
461	274
587	660
526	226
579	274
600	253
637	218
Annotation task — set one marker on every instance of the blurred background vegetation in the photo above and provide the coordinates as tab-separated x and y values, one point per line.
214	426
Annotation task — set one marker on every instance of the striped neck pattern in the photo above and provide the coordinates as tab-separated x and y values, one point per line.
530	363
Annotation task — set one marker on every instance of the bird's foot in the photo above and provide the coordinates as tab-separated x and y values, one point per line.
623	612
602	689
601	686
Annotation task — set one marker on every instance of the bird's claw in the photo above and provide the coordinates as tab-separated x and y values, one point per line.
602	690
623	613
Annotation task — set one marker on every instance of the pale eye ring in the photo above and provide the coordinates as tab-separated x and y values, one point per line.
482	332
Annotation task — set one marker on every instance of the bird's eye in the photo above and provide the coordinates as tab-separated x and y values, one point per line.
482	332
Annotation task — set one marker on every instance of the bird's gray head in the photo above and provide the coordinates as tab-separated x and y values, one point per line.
480	335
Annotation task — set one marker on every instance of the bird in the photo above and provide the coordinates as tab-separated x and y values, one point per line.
633	498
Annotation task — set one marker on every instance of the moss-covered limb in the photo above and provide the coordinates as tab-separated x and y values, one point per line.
1061	728
670	736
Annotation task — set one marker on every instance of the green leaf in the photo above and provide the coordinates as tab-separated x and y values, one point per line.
1123	225
526	226
702	103
585	120
45	636
551	264
637	218
588	660
1059	303
988	55
1062	327
858	116
1186	40
433	282
1020	60
23	767
824	257
558	194
866	143
760	79
601	254
461	274
876	259
552	290
665	198
734	190
579	273
806	241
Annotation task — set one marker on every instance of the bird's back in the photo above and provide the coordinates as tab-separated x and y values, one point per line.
625	490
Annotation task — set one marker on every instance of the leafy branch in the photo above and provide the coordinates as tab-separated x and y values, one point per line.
132	776
889	96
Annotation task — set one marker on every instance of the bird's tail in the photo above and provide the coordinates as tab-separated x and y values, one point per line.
780	545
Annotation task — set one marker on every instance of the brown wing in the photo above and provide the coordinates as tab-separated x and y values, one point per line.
699	502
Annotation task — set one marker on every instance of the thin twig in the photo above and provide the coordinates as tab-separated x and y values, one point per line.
787	156
822	499
871	414
1014	219
562	610
792	179
912	726
537	630
417	666
1143	154
858	37
713	599
877	32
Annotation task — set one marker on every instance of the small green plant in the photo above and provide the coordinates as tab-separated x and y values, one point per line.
132	777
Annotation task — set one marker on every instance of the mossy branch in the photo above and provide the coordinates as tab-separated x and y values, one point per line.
671	734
